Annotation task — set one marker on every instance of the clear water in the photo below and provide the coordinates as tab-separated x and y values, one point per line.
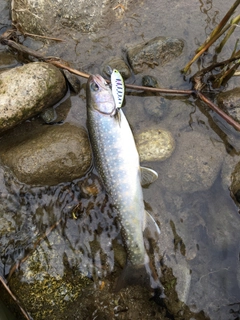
199	243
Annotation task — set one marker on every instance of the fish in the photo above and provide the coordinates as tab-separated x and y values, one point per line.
118	88
116	160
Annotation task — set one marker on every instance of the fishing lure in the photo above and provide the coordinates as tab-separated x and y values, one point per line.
118	88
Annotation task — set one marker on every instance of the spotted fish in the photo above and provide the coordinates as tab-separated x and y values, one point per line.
117	162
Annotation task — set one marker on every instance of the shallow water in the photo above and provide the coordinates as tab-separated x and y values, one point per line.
199	238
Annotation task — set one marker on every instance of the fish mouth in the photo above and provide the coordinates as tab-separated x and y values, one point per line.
98	83
98	80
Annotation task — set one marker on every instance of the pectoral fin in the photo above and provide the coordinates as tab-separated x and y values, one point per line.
117	116
148	176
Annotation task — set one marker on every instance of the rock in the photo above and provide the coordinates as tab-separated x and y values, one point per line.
235	183
48	115
7	60
195	164
27	90
53	155
155	145
150	81
5	17
157	51
73	81
44	17
116	63
229	102
155	105
228	172
45	286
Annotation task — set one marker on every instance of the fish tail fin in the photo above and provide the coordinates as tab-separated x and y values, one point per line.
143	275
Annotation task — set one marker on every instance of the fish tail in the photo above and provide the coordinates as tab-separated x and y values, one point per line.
143	275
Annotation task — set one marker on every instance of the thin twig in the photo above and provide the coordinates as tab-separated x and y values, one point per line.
64	65
24	313
35	245
195	78
4	39
215	108
42	37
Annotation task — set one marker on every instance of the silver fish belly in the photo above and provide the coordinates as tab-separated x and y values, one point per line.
117	163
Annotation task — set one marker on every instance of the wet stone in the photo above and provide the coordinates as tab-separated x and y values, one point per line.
155	145
48	115
157	51
229	102
7	60
235	183
229	173
155	106
73	81
116	63
46	17
27	90
150	81
50	156
44	285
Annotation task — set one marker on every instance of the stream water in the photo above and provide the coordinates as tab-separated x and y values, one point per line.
199	243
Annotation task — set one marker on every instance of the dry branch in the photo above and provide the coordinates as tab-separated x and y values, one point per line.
5	39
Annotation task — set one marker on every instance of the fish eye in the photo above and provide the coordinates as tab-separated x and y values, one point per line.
94	86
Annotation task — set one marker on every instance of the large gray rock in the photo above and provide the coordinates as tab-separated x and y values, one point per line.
26	90
194	165
157	51
53	155
47	17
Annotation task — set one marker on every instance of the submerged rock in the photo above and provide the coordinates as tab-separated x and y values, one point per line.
73	81
155	145
195	165
44	285
49	115
155	106
235	183
229	101
7	60
150	81
157	51
27	90
53	155
116	63
229	173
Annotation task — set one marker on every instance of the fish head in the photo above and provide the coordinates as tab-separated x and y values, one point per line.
99	96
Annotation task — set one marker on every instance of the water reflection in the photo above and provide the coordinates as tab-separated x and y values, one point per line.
212	15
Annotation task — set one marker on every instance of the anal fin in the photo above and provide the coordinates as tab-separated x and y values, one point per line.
150	224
